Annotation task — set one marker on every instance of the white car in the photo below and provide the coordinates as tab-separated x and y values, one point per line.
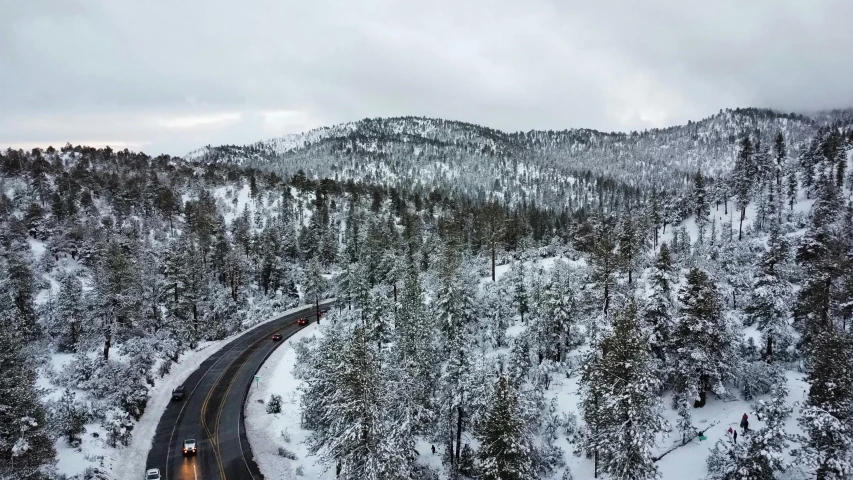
189	446
152	474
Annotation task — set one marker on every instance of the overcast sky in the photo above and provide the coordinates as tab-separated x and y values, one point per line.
168	76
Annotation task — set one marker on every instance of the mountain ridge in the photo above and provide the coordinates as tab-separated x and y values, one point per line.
540	166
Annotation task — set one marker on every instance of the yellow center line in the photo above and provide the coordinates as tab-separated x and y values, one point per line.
215	436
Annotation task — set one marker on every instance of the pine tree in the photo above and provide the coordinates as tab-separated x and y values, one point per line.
70	312
630	246
821	254
781	155
505	440
315	284
605	260
68	416
659	312
702	340
765	447
769	301
620	401
655	218
519	289
416	351
827	415
701	206
792	187
560	307
453	311
743	178
21	288
346	406
25	444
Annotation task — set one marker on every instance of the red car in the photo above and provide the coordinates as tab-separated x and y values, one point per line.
276	337
302	321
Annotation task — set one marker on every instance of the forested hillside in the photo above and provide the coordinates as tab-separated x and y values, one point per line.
566	169
653	287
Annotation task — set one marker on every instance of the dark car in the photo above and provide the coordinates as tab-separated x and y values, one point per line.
322	312
178	393
302	321
276	337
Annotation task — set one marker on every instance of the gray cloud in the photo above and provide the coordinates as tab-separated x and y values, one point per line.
170	76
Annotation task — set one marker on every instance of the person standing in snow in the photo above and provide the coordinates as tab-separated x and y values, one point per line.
744	423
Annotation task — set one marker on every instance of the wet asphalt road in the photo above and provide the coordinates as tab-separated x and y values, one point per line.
212	411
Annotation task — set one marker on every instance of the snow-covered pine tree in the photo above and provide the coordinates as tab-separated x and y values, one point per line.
25	444
701	205
659	312
620	388
68	416
605	261
769	303
347	405
792	186
821	252
780	154
631	246
315	283
703	340
519	287
505	440
765	448
416	352
453	311
21	288
827	415
70	313
743	176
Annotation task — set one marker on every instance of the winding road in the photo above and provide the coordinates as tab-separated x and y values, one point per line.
212	411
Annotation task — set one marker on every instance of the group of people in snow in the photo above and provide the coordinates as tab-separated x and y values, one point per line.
744	424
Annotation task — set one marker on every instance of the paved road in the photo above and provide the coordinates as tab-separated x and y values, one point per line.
212	411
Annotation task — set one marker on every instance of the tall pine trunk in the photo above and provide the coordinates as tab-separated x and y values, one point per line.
740	228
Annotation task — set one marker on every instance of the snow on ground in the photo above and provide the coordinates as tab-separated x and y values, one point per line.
529	265
127	462
266	431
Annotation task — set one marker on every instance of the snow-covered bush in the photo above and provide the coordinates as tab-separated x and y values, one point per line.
545	459
754	379
466	462
118	426
570	423
68	417
274	404
283	452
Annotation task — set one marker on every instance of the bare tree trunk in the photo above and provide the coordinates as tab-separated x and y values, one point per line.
493	259
458	434
740	228
108	340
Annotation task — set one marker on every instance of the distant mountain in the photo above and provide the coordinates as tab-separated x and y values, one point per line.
560	169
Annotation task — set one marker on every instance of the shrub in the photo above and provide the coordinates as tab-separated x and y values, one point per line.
283	452
274	405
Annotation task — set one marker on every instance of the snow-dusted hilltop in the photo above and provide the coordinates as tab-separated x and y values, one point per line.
482	162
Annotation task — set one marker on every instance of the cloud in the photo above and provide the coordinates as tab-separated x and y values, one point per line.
201	120
178	73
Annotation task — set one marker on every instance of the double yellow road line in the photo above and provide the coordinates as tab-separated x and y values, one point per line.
214	437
